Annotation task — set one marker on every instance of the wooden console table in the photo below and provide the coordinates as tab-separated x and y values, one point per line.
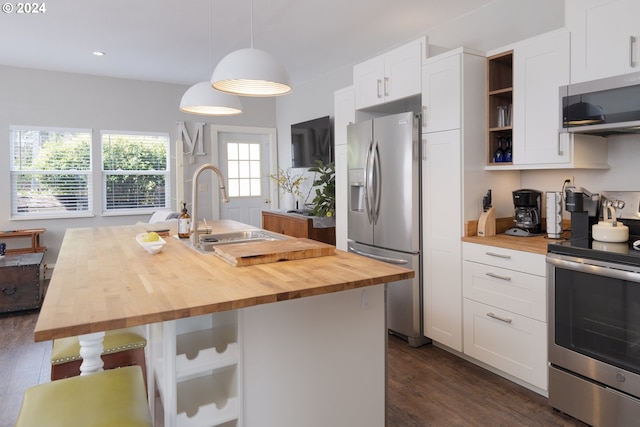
297	225
32	234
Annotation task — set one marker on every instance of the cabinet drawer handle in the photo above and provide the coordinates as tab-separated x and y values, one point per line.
379	85
9	291
502	319
386	86
498	255
632	42
497	276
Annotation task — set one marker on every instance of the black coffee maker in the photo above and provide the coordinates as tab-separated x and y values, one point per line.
585	211
527	219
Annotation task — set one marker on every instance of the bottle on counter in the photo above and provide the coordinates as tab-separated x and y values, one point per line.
184	223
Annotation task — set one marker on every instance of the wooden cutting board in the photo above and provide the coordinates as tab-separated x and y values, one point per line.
264	252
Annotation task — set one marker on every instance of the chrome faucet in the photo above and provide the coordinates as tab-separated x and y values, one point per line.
195	239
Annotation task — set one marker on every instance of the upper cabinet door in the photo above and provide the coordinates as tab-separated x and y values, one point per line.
391	76
403	71
605	38
441	94
368	78
541	66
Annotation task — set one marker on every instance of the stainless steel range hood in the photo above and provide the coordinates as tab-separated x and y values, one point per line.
603	107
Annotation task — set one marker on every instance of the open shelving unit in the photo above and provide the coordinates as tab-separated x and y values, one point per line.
197	370
499	93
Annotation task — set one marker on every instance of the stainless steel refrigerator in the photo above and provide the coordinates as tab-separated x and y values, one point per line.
384	159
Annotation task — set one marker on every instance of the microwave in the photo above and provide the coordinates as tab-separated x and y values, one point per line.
601	107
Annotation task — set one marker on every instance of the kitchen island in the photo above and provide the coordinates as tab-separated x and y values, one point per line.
288	344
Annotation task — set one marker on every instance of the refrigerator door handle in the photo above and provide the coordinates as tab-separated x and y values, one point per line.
388	260
378	182
368	183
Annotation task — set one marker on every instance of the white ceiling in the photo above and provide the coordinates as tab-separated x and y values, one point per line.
180	41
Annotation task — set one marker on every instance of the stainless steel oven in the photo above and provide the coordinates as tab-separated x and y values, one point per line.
594	325
594	345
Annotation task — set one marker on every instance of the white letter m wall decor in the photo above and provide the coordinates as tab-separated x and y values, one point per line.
194	146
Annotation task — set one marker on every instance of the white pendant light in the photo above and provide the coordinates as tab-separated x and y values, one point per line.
251	72
202	99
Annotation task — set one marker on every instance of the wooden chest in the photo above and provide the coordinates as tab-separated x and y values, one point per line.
21	282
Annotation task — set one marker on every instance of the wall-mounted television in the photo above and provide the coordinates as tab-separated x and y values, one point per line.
310	141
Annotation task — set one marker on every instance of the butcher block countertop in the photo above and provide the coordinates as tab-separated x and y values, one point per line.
535	244
103	280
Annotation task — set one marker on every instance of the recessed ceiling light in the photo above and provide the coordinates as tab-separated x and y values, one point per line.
98	53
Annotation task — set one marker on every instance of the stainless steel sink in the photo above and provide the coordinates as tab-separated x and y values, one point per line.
209	241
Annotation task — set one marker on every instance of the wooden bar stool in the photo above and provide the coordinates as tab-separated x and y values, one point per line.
122	347
111	398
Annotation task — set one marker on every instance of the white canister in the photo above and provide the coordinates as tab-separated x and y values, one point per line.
554	214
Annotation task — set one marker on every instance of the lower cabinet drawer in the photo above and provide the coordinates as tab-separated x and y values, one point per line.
521	293
514	344
505	258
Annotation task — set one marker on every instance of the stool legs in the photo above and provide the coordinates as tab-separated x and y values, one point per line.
91	351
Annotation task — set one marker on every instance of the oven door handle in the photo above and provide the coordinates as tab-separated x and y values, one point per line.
594	269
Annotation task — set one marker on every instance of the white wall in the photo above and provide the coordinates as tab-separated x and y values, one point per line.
624	158
44	98
499	23
307	101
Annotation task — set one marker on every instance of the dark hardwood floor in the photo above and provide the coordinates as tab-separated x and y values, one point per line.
427	386
23	362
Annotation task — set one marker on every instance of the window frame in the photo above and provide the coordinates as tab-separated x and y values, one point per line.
14	173
105	173
237	180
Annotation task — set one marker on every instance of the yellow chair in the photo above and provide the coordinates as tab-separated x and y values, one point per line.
121	347
114	398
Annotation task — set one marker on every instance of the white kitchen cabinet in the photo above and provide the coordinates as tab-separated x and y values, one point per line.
342	172
391	76
605	37
344	112
506	341
447	156
441	89
540	66
505	311
441	233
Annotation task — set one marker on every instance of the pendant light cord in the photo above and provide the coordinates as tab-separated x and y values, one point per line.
211	37
251	24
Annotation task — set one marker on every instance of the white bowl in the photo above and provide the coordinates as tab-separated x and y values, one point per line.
151	247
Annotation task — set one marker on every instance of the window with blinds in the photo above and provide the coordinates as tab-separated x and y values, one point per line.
135	171
50	172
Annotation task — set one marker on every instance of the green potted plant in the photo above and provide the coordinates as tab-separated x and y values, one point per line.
324	202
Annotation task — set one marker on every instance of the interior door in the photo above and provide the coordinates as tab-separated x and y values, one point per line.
246	157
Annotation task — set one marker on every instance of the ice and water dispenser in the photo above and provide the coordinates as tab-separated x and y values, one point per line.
357	190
